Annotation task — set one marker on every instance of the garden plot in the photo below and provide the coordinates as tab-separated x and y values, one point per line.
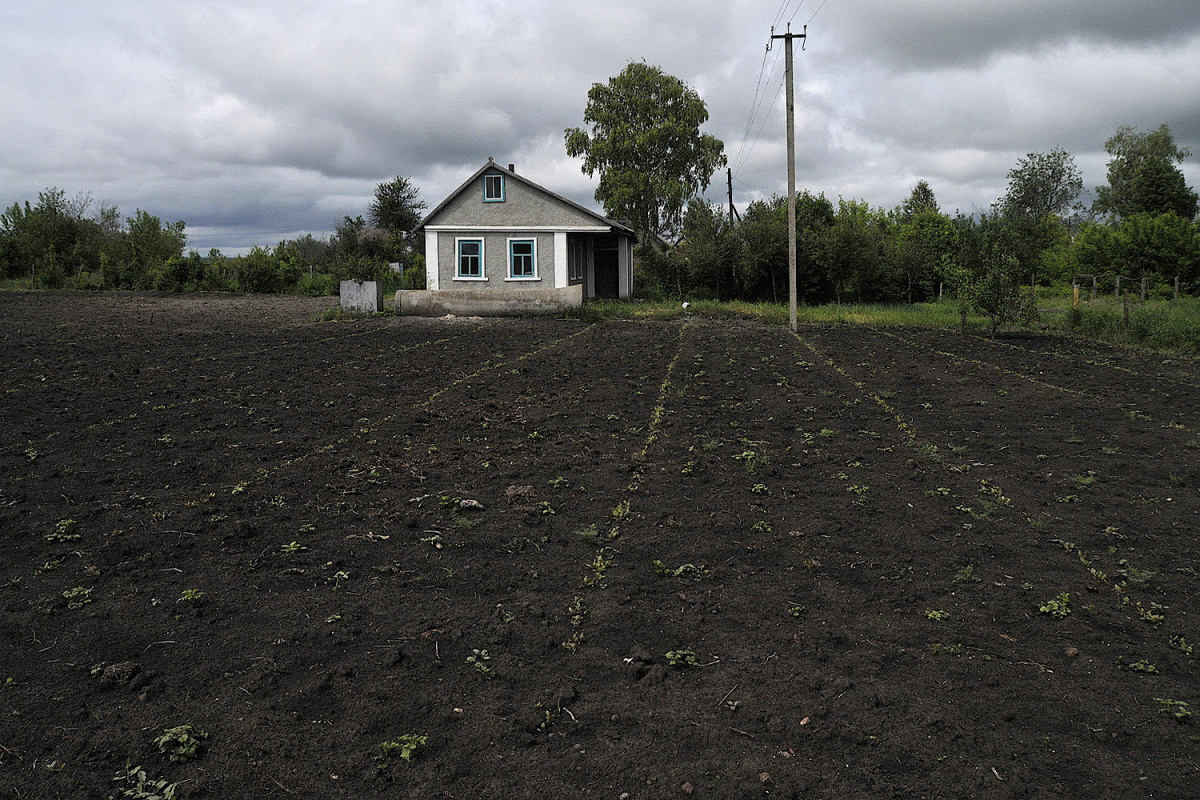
470	558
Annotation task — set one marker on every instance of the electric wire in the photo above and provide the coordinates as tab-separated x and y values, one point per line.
818	11
783	7
755	107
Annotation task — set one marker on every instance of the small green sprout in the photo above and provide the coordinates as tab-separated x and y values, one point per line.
1057	607
181	743
663	571
478	661
681	658
1176	708
405	746
77	597
140	787
966	575
63	532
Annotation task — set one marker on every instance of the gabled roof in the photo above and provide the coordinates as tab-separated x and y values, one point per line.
492	166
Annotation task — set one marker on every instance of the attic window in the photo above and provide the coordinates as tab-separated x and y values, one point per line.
493	188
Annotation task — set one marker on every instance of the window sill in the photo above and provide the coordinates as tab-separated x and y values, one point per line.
461	278
534	279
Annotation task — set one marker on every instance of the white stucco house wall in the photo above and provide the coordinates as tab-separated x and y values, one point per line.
502	244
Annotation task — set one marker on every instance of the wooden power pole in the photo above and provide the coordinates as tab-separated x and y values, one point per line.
791	166
729	180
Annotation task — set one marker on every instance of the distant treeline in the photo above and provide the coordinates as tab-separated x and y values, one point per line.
61	242
1141	226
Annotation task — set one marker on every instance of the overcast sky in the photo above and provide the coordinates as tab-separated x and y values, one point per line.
259	120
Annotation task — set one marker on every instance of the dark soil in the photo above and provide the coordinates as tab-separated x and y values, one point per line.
218	512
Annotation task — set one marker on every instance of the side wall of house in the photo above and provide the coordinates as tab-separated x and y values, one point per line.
496	255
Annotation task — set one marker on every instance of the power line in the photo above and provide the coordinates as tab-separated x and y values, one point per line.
783	10
794	13
755	106
766	118
818	11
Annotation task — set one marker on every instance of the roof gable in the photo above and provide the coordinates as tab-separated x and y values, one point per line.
526	203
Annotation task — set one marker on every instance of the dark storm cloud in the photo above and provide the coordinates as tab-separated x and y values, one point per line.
931	34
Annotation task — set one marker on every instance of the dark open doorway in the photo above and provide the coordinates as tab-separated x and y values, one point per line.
607	274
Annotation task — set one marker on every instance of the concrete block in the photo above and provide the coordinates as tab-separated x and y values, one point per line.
362	297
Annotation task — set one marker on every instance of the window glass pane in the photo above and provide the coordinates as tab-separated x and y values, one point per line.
493	187
521	259
469	261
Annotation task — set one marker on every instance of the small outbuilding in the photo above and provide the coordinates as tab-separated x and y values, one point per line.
502	244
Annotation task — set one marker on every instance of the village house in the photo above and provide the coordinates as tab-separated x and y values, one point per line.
501	244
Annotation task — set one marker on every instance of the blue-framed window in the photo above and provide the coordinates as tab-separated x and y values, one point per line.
493	188
522	259
470	259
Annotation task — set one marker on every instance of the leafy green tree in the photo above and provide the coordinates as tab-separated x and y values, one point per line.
645	142
1160	188
918	248
853	251
760	272
43	240
1159	246
1130	192
149	244
986	275
1097	250
1043	190
1042	184
922	199
258	271
396	207
711	248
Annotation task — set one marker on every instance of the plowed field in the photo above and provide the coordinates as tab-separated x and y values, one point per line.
614	560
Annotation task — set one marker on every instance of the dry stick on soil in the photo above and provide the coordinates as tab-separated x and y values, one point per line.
726	697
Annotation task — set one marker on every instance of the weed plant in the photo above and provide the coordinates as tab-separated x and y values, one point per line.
181	743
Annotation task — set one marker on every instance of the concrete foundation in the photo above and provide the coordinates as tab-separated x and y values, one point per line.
362	297
487	302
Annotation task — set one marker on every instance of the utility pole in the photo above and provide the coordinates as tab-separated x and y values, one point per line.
729	180
791	167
